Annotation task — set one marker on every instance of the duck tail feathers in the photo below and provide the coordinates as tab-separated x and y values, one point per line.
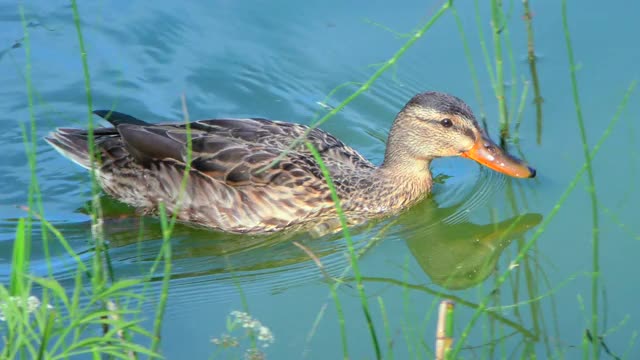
72	144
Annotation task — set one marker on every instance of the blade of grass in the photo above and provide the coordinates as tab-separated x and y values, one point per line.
533	69
164	292
472	67
100	274
483	45
520	111
313	330
387	328
497	24
591	189
341	322
410	339
352	253
19	261
30	139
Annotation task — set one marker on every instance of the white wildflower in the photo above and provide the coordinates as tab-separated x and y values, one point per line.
266	336
31	304
254	329
254	354
252	324
226	341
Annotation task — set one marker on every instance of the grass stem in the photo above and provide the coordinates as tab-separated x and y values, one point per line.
591	189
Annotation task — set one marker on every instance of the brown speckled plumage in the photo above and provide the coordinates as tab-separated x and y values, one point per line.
228	187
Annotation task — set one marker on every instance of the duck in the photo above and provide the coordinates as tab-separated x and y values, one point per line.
255	176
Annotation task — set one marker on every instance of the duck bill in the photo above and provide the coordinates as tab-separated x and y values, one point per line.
487	153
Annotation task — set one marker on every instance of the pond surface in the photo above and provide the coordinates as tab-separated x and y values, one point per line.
281	61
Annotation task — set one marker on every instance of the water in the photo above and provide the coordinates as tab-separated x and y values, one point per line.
237	59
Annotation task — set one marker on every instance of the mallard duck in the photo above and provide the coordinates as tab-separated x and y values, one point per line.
234	185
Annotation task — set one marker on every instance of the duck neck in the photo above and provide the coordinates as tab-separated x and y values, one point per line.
406	171
407	179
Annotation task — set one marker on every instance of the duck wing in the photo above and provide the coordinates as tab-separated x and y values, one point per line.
221	155
231	149
235	182
281	137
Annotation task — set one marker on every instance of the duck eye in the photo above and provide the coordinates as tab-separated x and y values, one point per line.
446	123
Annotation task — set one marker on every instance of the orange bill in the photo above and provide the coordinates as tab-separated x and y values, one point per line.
487	153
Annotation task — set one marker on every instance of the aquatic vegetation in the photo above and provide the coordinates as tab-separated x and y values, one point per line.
81	304
30	304
258	335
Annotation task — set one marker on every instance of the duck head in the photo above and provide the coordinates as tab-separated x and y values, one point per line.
433	125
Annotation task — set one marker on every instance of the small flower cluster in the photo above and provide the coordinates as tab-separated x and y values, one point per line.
263	333
31	304
260	335
226	341
254	354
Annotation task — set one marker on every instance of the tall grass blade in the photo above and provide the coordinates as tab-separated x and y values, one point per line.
591	189
353	258
19	261
387	328
533	69
472	67
497	26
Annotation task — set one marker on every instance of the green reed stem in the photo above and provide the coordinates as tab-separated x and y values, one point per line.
482	306
366	85
17	318
98	277
530	280
30	144
472	67
20	260
371	243
18	338
87	88
483	45
591	189
533	69
634	336
410	339
187	169
513	96
102	269
387	328
167	225
351	249
520	111
164	293
341	322
497	23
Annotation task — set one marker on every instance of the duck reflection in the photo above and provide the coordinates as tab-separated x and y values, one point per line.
454	252
458	254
